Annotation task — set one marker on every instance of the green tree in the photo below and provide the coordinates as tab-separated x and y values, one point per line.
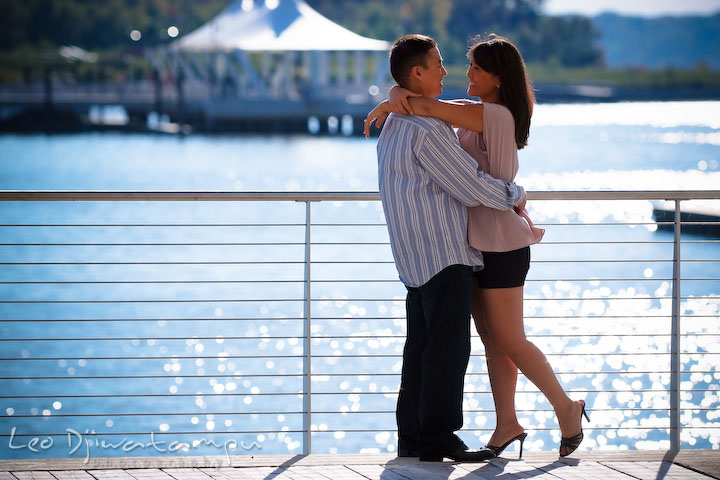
505	17
569	41
14	18
44	25
98	25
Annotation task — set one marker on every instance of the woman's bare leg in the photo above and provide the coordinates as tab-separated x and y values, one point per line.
503	379
503	314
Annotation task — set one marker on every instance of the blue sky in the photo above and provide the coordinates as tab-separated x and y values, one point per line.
650	8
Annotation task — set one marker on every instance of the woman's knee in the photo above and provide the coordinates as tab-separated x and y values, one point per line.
510	346
488	343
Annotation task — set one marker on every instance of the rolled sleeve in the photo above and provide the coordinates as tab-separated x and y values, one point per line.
456	173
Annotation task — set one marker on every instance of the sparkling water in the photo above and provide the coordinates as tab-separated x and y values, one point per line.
221	337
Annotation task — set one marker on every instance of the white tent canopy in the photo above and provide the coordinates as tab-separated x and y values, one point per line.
274	25
276	49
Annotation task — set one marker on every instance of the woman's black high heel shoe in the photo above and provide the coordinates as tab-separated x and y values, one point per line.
498	450
574	442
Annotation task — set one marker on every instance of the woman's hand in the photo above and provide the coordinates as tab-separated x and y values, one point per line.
521	208
398	103
377	115
399	100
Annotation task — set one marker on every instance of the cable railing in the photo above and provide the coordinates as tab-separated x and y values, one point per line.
274	322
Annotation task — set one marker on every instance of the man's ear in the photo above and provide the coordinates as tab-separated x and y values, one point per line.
416	71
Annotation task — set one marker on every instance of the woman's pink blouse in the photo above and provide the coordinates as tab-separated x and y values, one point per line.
495	151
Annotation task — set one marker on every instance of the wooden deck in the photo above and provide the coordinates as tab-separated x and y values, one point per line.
688	464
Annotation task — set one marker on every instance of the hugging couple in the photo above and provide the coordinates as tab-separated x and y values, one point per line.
460	237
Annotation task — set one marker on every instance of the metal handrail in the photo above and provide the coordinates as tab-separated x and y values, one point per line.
223	195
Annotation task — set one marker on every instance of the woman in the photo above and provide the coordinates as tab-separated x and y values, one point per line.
492	132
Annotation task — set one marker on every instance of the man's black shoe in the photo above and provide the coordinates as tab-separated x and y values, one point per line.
405	452
461	455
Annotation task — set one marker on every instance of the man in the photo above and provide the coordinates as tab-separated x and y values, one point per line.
427	182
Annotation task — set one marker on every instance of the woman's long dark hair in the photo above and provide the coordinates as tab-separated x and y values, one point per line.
497	55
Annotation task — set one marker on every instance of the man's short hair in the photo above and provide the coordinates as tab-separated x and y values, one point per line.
406	53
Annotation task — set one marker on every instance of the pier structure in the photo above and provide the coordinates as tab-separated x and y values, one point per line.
263	65
278	61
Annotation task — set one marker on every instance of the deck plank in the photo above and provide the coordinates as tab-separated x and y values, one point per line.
571	469
111	474
225	473
244	473
517	469
635	469
71	475
302	472
486	471
149	474
426	472
523	469
338	472
7	476
186	474
34	475
447	470
706	461
279	473
376	471
510	470
654	470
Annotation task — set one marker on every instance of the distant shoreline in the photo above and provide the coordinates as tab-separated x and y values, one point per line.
599	93
560	93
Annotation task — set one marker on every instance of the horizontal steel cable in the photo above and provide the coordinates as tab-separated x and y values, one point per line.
171	282
253	319
270	300
327	431
156	282
330	374
346	262
394	355
307	196
102	282
237	432
322	225
329	412
173	244
271	244
348	337
267	262
110	225
314	225
299	393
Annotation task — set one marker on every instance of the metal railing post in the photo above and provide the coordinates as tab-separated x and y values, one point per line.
675	365
307	332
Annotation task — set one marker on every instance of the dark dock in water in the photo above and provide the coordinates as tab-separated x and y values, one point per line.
142	107
697	219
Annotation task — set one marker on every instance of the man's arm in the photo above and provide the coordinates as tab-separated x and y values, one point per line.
456	172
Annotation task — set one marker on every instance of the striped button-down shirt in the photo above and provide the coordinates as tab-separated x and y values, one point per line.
427	182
